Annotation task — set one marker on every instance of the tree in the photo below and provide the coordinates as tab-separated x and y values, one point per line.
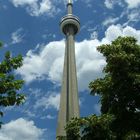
120	88
9	85
90	128
119	93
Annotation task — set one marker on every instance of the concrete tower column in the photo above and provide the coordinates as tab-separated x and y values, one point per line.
69	102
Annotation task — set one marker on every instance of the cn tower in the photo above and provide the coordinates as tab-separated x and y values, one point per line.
69	102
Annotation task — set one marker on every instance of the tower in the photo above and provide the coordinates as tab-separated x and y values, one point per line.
69	103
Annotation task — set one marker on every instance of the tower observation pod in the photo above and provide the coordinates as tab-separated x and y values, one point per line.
69	101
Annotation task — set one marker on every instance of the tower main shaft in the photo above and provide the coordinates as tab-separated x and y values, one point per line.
69	103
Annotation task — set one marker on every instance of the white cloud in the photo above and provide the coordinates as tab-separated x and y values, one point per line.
113	32
133	3
48	62
110	20
132	32
21	129
94	35
37	7
48	102
44	7
38	100
130	10
133	16
89	62
23	2
50	117
109	4
117	30
17	36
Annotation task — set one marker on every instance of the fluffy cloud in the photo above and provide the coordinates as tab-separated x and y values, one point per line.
133	3
48	62
89	62
21	129
48	102
117	30
113	32
37	7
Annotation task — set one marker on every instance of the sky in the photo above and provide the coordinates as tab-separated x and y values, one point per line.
31	28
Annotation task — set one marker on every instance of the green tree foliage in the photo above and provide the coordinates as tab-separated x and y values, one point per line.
9	85
120	88
119	91
90	128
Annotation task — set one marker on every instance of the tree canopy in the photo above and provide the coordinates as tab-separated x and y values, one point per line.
9	85
90	128
119	89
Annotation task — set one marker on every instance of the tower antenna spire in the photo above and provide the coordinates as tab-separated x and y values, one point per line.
69	1
69	5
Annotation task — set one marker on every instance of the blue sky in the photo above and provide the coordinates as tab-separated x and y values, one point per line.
31	28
